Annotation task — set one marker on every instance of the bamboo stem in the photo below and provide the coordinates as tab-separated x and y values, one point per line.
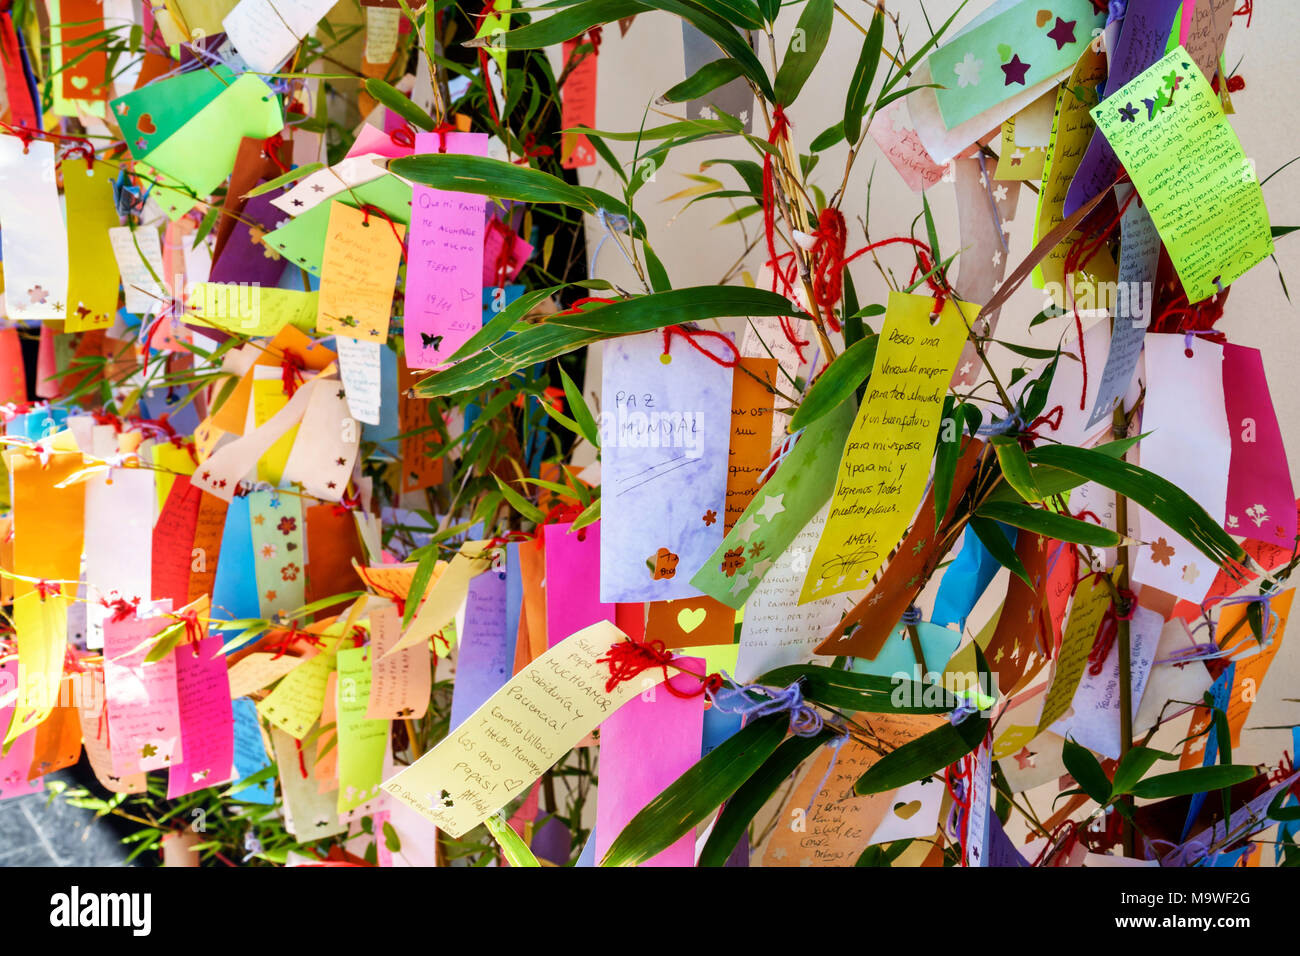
1122	640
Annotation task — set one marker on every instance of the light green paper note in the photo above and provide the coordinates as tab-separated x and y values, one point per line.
1169	131
1012	51
202	153
302	240
249	309
361	741
779	511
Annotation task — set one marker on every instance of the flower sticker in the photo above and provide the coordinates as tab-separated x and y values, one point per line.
287	525
1161	552
268	551
968	71
290	572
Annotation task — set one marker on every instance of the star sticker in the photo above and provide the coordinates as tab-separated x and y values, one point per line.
340	461
1063	32
1000	194
772	506
745	528
966	368
1015	70
297	202
317	188
740	582
341	394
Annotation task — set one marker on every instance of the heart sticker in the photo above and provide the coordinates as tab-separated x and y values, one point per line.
145	124
689	618
1043	17
907	810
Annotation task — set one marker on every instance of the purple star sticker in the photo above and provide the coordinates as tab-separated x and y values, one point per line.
1063	32
1015	70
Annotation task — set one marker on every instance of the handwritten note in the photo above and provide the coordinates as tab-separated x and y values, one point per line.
578	103
206	718
94	734
1210	213
296	702
1091	601
139	260
665	429
783	507
894	133
359	368
143	708
1094	716
399	683
836	829
751	433
173	542
1072	128
777	630
1138	259
885	463
444	278
363	252
517	735
265	32
485	645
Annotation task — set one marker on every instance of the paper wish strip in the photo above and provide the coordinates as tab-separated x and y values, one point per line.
886	460
1169	131
517	734
444	272
665	432
31	217
1010	52
265	32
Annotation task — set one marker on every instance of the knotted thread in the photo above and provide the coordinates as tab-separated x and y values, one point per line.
805	721
690	335
1108	629
627	659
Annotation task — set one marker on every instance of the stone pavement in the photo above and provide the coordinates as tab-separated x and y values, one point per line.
33	833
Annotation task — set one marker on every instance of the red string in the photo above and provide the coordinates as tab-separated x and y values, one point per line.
122	608
575	310
347	503
271	147
1053	420
531	149
367	209
193	629
403	136
627	659
501	269
690	335
291	368
1108	629
302	761
442	130
48	588
827	263
1246	10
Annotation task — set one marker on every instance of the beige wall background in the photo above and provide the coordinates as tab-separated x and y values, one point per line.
635	69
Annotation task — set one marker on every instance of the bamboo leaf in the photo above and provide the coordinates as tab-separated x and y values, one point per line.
513	847
868	693
704	80
565	25
297	173
581	413
489	177
1133	767
923	757
806	47
1086	770
690	799
520	503
1180	783
998	546
1049	524
400	104
1015	467
863	76
754	793
675	307
837	384
1163	499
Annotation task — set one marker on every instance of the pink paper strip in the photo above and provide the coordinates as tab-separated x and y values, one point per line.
644	746
1261	501
444	266
573	581
144	727
206	718
14	765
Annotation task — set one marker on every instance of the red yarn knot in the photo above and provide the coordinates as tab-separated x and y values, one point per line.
193	629
628	658
347	503
359	635
47	588
828	263
271	147
690	335
291	369
1246	10
122	608
531	149
1053	420
1108	629
287	641
501	268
